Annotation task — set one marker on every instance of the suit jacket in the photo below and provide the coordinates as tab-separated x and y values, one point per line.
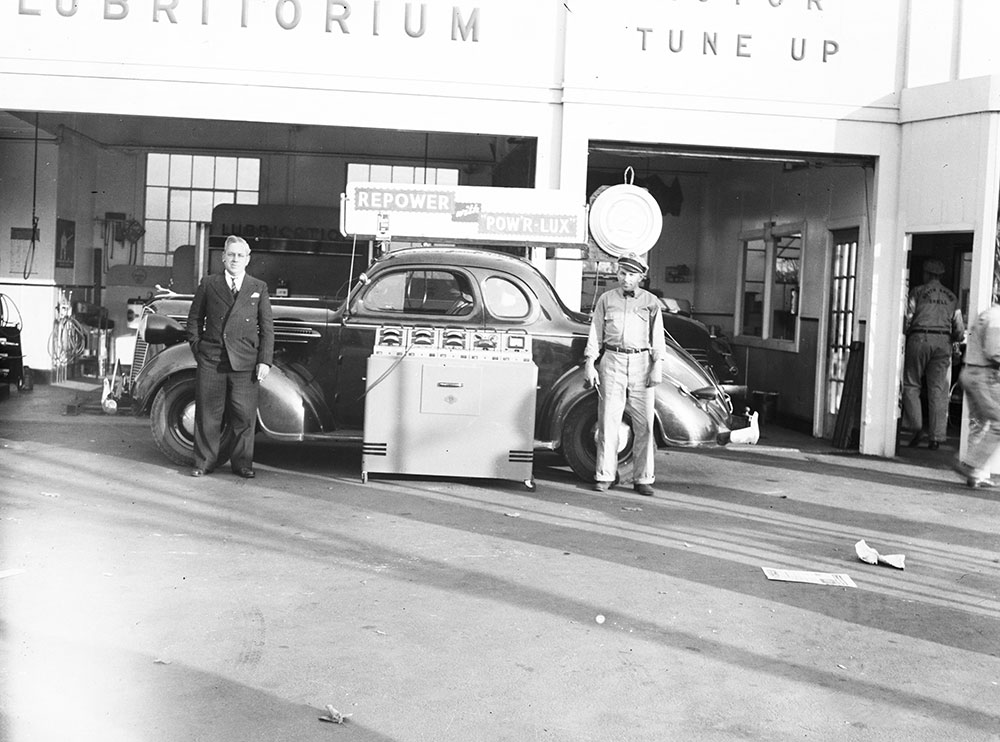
244	326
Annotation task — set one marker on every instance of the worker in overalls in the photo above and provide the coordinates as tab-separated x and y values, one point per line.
933	322
626	334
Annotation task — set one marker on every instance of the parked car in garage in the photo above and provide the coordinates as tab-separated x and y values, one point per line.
316	389
707	345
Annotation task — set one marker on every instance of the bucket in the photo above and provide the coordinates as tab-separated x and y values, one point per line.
766	404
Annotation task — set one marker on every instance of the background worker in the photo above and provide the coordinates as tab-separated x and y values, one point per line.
933	322
626	333
981	381
231	332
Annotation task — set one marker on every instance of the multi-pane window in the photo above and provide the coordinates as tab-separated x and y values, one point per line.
360	172
182	190
841	321
770	284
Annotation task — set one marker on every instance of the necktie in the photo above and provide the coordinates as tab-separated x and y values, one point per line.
232	285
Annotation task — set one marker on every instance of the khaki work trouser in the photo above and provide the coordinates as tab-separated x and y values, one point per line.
623	387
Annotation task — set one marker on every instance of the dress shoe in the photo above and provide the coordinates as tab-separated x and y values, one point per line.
644	489
915	440
602	486
934	445
246	472
198	472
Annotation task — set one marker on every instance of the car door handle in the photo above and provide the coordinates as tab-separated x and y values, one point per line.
455	384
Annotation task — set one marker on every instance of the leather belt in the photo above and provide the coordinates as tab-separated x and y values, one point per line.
616	349
994	366
928	332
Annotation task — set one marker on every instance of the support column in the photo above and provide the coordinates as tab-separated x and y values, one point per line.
984	243
885	262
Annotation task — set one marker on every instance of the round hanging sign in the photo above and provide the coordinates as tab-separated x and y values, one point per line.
625	218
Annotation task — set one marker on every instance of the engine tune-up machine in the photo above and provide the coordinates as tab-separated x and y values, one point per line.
451	402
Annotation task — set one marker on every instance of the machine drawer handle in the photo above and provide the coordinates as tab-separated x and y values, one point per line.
456	384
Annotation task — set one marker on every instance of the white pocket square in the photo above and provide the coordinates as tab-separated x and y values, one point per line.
255	295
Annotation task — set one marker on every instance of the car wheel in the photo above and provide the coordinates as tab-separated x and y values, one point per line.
172	421
579	443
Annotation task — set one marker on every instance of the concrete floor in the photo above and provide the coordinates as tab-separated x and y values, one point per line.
147	605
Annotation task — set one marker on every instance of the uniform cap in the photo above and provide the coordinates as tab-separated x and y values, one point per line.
632	263
934	267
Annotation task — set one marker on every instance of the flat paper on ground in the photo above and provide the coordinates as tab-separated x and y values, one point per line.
815	578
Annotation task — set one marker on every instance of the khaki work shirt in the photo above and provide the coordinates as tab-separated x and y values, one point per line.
933	307
635	323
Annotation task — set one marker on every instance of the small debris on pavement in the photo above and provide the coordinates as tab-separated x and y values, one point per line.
868	555
333	716
815	578
49	494
632	510
159	661
10	572
599	618
513	515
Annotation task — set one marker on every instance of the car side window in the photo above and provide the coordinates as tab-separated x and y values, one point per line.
420	292
505	299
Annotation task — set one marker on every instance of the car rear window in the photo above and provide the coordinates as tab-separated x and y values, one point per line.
505	299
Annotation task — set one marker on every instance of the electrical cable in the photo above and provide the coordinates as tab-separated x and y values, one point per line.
387	372
68	339
67	342
6	304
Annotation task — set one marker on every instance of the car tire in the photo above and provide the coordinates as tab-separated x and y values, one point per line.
172	421
579	443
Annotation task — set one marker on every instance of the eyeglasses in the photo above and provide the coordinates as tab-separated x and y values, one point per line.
240	255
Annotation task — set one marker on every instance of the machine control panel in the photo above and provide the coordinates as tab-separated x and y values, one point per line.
480	343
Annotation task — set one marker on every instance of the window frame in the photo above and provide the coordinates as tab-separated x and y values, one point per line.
769	234
192	182
408	274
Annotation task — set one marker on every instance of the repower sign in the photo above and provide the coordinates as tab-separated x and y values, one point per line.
463	214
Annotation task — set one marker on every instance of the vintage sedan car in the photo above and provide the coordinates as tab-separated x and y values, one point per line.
708	346
316	389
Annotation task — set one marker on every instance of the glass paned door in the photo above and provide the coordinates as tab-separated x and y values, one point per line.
841	319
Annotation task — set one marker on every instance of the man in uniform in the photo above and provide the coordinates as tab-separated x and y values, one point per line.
231	333
933	322
980	379
626	333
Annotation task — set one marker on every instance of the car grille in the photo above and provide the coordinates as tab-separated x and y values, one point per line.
293	331
699	354
138	357
142	354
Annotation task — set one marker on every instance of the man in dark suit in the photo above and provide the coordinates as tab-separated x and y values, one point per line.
231	332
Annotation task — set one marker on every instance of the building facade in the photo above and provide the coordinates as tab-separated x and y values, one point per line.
806	153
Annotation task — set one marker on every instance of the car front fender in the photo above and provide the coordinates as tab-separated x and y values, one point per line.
683	419
288	408
167	364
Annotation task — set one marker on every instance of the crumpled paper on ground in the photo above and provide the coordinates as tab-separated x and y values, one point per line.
869	555
334	716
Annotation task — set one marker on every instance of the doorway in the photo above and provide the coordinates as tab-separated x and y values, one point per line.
954	249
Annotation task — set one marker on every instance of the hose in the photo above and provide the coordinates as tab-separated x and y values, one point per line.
68	340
